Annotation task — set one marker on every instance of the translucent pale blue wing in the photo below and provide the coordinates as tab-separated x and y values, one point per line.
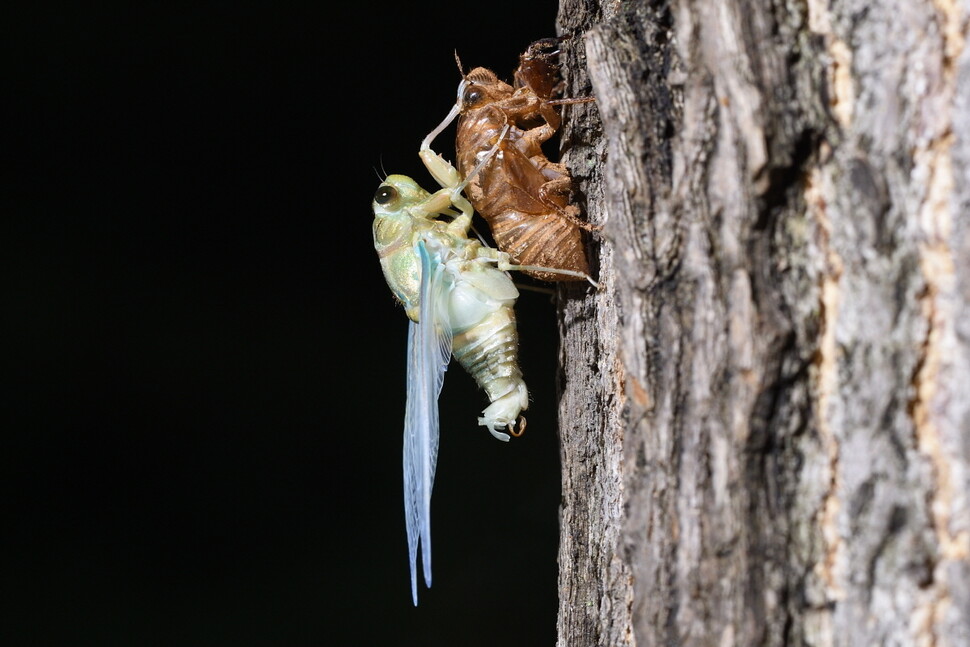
429	351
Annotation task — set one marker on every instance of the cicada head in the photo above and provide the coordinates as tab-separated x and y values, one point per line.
399	197
396	194
481	87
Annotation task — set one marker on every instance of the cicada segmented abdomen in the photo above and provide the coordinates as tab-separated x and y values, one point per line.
545	240
489	353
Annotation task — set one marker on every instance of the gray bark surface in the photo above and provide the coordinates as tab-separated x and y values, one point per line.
765	409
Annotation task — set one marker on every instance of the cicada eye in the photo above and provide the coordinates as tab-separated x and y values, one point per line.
472	96
385	193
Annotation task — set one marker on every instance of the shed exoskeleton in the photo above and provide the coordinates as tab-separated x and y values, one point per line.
521	194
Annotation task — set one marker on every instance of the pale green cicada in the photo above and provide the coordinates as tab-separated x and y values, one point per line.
459	299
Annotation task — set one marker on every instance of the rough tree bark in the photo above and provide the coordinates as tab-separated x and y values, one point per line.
765	411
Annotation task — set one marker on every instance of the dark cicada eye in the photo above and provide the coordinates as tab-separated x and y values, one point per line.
472	96
385	193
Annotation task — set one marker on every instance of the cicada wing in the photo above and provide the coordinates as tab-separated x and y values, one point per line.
429	351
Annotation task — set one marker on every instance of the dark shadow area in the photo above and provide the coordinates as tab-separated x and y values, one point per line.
204	386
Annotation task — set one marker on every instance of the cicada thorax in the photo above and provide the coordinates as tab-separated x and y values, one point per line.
522	195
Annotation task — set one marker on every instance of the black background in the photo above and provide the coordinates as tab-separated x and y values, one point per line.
203	369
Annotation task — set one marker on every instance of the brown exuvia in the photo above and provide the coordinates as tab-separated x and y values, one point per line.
522	194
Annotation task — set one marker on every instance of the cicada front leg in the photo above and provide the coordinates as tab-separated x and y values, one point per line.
451	181
443	171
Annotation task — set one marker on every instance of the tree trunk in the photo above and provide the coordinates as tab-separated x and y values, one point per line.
765	409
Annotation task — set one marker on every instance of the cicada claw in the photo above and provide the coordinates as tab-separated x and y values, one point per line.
520	425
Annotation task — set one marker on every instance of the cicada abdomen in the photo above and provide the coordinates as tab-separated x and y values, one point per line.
488	351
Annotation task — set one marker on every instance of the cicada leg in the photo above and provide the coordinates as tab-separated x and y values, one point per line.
439	202
450	117
554	270
441	169
570	101
445	173
502	262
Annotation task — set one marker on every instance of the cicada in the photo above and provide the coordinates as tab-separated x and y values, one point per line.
522	194
459	303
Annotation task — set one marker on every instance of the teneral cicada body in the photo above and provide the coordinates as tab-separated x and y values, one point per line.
522	194
460	303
